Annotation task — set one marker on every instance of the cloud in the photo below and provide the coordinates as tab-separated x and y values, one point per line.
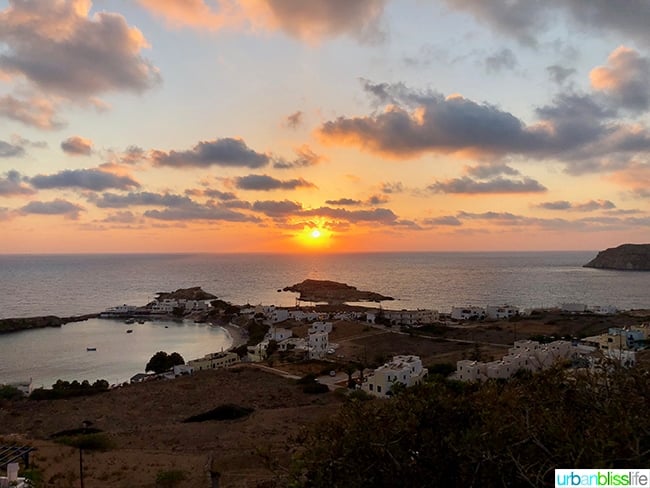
312	20
484	171
219	152
267	183
501	60
526	19
8	150
77	145
377	200
559	74
445	220
273	208
467	185
196	211
304	157
54	207
625	78
381	215
589	206
36	112
294	120
88	179
125	217
56	46
13	184
575	129
145	199
394	187
220	195
344	202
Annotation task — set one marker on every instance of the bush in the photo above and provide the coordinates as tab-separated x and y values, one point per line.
8	392
67	389
441	369
315	388
161	362
227	411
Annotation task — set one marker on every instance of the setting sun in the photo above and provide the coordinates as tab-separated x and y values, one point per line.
315	234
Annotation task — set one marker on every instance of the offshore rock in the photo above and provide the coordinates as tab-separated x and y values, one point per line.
627	257
332	292
194	293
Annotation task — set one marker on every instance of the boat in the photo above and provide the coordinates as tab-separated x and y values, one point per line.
130	321
140	321
91	349
129	331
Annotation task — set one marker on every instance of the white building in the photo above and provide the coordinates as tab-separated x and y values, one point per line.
214	361
120	310
304	315
524	355
501	312
12	479
320	327
278	334
603	309
257	353
412	318
318	344
406	370
467	313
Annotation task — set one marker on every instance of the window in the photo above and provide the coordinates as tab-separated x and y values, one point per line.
370	385
378	389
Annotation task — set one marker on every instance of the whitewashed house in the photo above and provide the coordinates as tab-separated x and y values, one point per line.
304	315
411	318
120	310
467	313
278	334
501	312
318	344
320	327
214	361
406	370
573	307
257	353
603	309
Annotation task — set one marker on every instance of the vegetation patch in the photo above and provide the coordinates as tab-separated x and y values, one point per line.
67	389
227	411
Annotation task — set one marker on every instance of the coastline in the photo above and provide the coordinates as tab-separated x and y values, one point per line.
238	336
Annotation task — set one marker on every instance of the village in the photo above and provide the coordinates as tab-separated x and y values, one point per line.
329	340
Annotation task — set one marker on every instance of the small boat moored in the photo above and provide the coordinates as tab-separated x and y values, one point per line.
91	349
129	331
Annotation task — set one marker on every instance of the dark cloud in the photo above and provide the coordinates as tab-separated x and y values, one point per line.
377	200
559	74
219	152
294	120
575	129
445	220
220	195
196	211
54	207
625	79
394	187
526	19
13	184
501	60
59	48
144	199
273	208
589	206
35	112
497	185
125	217
267	183
88	179
8	150
77	145
382	215
304	157
345	202
490	170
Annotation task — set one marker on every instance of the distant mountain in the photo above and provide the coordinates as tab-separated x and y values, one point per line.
628	257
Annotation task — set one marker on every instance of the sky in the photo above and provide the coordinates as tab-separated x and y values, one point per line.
323	125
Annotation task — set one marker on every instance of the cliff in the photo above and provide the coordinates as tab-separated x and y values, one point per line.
628	257
333	292
26	323
195	293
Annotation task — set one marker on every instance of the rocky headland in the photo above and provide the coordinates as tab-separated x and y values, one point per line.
194	293
333	292
26	323
627	257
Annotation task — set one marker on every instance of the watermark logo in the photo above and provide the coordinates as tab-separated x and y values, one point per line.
604	478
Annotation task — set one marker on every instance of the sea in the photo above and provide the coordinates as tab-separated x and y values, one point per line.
66	285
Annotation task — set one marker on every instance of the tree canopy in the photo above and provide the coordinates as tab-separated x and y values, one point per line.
161	362
452	434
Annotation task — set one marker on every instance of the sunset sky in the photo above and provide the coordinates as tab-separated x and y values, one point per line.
323	125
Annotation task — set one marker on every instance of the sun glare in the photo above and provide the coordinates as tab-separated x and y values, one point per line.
315	234
314	238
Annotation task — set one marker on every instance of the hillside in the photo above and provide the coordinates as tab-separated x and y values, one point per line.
628	257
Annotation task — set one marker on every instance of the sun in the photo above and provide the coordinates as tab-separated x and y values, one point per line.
315	234
314	237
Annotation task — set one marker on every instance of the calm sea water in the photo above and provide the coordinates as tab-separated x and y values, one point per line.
78	284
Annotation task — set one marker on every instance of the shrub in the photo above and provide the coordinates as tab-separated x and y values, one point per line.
227	411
